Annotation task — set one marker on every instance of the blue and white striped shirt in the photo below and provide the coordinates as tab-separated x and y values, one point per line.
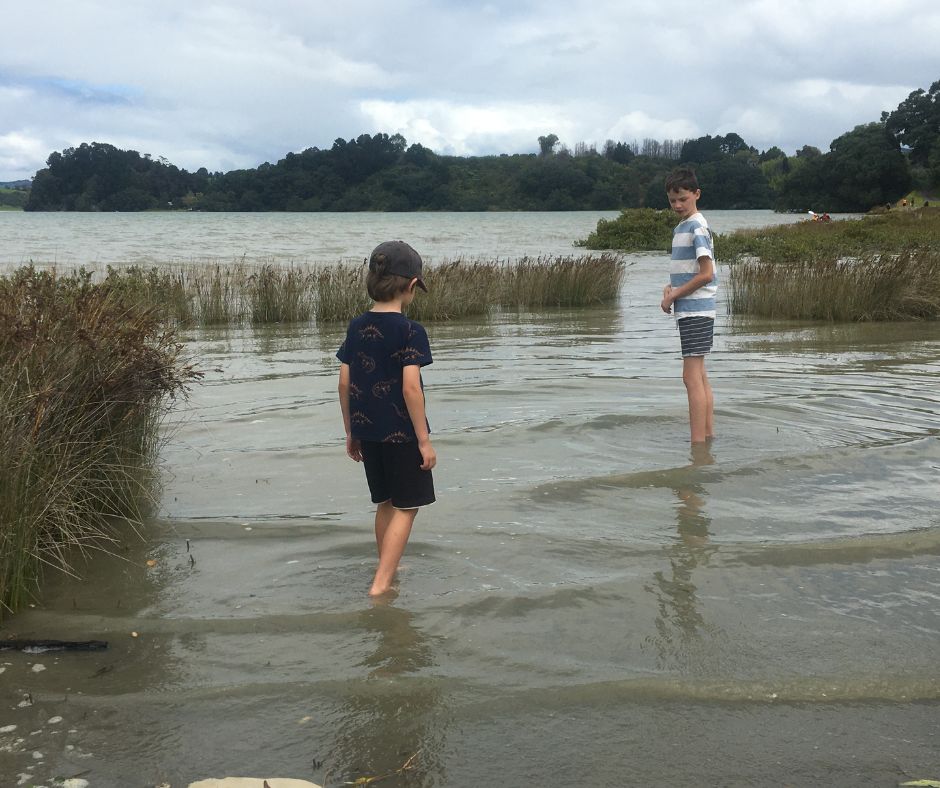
691	239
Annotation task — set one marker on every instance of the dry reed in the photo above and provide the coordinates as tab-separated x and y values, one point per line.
85	372
267	294
904	286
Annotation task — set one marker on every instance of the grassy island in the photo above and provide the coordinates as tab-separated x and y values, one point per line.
635	230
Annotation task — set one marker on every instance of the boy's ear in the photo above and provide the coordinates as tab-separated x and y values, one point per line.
412	285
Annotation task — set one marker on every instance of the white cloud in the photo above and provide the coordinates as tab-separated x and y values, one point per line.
18	150
462	129
637	125
238	82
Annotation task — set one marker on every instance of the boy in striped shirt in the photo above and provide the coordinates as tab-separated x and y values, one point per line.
690	295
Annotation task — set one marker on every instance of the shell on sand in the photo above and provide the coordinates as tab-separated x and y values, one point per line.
253	782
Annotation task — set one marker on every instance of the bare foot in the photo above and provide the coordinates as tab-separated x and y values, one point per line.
380	592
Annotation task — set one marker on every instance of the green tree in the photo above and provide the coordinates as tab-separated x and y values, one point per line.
547	144
863	168
772	153
866	168
916	122
933	164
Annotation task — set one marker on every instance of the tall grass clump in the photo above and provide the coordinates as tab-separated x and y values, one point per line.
166	290
904	286
461	288
457	289
340	292
281	295
560	281
216	293
86	371
635	230
226	295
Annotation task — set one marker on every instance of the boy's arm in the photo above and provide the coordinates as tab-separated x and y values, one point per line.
706	272
353	446
414	401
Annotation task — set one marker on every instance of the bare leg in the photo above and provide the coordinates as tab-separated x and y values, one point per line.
394	540
709	405
383	516
693	375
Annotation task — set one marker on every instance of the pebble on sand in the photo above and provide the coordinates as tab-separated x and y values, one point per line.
253	782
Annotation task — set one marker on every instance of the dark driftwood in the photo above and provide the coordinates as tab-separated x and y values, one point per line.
53	645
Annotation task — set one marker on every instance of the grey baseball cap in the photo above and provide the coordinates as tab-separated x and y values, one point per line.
397	257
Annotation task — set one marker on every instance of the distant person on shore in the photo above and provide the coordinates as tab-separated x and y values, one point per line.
690	295
381	395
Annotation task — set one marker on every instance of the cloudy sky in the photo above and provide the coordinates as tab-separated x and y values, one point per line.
237	82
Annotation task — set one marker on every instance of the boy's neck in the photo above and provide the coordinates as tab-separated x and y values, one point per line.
394	305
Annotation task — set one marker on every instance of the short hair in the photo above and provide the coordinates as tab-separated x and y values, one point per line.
384	287
682	178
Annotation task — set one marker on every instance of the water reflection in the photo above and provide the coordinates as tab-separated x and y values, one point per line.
679	619
387	728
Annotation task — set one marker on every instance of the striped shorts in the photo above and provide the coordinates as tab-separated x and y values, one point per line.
695	334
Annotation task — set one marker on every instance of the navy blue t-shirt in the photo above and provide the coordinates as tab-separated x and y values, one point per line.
378	346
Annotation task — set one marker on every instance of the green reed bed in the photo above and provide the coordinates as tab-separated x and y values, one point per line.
903	286
461	288
86	370
892	232
242	293
239	293
281	295
340	292
560	281
214	296
165	290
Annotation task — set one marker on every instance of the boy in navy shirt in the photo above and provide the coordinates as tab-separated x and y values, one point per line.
382	398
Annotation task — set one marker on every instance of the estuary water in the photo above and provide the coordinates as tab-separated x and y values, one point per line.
588	603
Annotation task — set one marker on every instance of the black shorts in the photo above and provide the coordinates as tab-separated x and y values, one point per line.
695	334
394	473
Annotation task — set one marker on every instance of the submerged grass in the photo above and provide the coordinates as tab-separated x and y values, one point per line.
85	373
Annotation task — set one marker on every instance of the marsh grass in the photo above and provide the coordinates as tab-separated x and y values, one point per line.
904	286
86	371
884	267
281	295
340	292
561	281
892	232
218	295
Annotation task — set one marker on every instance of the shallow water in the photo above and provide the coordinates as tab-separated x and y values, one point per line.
587	603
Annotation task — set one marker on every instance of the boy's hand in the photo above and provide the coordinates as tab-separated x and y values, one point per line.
666	304
354	448
428	455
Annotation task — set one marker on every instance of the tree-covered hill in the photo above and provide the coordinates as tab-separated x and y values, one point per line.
863	168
